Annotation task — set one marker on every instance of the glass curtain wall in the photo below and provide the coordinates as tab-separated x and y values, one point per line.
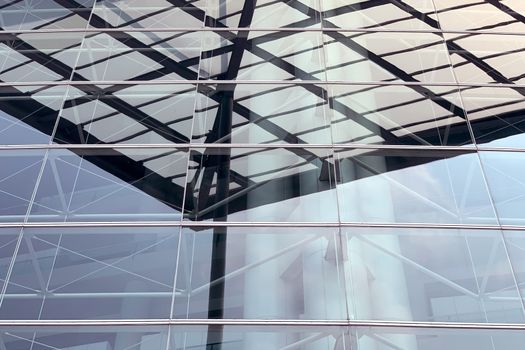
262	174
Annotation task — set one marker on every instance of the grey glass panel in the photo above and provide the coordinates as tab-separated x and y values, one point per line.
501	16
411	14
264	14
28	14
114	56
149	14
118	114
487	58
87	337
383	56
8	241
516	247
28	113
258	337
364	338
430	275
259	273
29	57
497	115
246	55
19	170
109	185
393	115
262	114
261	185
505	177
412	186
92	273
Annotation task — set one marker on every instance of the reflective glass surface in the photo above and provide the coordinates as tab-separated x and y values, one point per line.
111	185
38	57
407	14
44	14
87	337
381	56
369	338
92	273
120	114
505	177
496	115
413	187
28	114
405	274
262	114
252	184
393	115
19	172
258	337
259	273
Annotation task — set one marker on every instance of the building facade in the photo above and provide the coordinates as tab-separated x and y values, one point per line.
262	174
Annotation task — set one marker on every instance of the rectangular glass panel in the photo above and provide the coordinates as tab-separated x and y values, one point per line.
24	15
261	114
28	113
393	115
111	185
19	170
119	114
38	57
411	14
498	16
505	176
515	241
258	337
487	58
257	184
259	273
386	338
383	56
116	56
496	115
430	275
415	186
84	337
92	273
256	55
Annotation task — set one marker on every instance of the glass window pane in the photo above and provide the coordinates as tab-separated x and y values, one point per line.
430	275
38	57
28	113
516	247
258	337
117	56
28	14
481	15
413	115
84	337
111	185
259	273
411	14
256	184
487	58
261	114
119	114
92	273
412	186
19	170
496	115
381	56
505	176
256	55
148	14
368	338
